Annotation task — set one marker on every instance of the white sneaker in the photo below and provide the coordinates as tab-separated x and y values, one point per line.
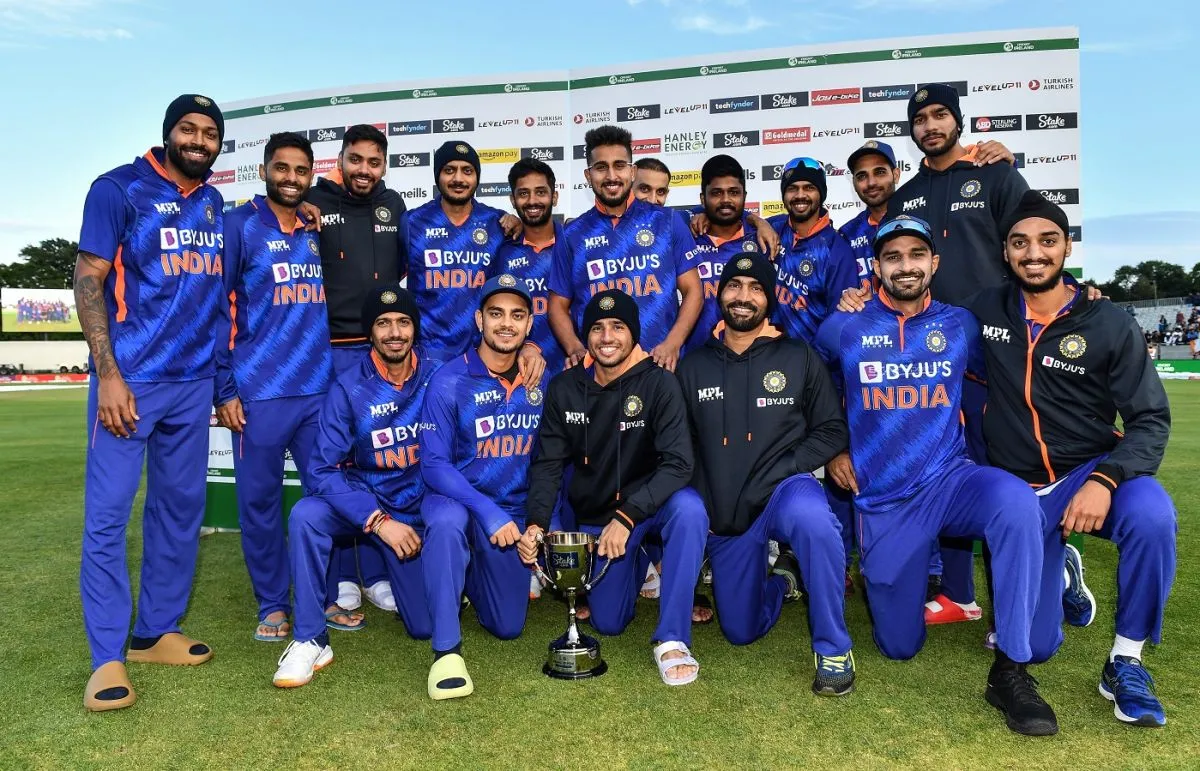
299	661
772	552
380	595
535	586
349	595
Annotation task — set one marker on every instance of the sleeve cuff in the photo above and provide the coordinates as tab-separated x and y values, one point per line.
621	517
1107	474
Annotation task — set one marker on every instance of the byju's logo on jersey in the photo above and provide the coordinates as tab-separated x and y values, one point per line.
382	438
282	271
433	258
595	269
870	372
484	426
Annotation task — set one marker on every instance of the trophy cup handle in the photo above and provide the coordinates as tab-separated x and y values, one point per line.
607	562
542	574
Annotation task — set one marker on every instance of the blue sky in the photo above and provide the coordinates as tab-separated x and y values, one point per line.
86	81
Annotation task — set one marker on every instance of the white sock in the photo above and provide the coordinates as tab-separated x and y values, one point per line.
1123	646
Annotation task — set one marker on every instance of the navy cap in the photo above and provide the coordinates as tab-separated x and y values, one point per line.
871	147
903	225
505	282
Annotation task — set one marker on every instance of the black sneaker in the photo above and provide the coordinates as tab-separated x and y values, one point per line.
787	566
933	588
835	674
1013	691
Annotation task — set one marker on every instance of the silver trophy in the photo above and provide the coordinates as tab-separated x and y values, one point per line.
571	564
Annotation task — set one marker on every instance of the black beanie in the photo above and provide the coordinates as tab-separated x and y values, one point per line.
756	266
454	151
934	93
802	173
1032	204
188	103
390	298
612	304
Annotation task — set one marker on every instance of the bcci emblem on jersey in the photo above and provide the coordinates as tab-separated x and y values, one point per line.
970	188
534	396
1072	346
210	215
383	214
749	246
644	237
479	236
312	246
806	268
935	341
632	406
774	381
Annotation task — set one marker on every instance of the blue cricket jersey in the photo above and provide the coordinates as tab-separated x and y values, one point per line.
860	234
446	265
709	256
367	453
642	253
477	435
902	381
813	269
167	249
273	338
532	264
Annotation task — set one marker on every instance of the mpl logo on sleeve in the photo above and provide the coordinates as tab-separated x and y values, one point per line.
1051	121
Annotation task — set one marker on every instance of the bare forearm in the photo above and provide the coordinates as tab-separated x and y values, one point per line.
560	325
689	312
93	315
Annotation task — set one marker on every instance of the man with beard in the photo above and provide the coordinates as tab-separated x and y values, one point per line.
1061	368
901	363
148	281
534	195
477	432
763	415
449	246
366	480
815	264
626	244
359	216
620	422
273	364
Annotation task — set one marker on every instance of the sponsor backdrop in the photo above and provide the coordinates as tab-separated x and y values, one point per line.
38	310
762	107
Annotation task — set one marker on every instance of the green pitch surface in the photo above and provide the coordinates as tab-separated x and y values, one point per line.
9	324
751	708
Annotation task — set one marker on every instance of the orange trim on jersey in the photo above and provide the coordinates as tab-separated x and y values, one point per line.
1037	421
509	388
232	318
615	219
297	224
162	172
381	368
765	330
972	152
886	300
347	339
119	286
1105	477
718	241
872	221
538	248
821	222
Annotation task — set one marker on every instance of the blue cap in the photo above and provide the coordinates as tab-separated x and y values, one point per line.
505	282
871	147
903	225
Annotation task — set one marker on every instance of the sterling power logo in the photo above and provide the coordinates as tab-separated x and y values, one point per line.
836	96
639	112
996	123
734	104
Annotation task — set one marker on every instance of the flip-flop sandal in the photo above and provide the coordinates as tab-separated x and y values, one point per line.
340	611
653	584
276	625
665	665
702	601
448	678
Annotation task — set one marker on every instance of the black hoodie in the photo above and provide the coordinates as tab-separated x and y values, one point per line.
1053	398
757	418
627	442
359	249
964	205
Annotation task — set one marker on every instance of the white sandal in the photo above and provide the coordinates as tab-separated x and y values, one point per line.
664	665
650	589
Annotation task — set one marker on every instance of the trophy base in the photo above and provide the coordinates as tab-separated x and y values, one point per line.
574	661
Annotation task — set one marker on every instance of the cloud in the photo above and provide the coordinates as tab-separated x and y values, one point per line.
703	22
905	6
1169	40
23	23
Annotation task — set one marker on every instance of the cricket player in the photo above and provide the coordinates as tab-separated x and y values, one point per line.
478	429
148	281
901	363
366	482
273	364
626	244
1061	369
763	415
620	423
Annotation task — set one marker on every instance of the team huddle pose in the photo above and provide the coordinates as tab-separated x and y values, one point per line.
665	382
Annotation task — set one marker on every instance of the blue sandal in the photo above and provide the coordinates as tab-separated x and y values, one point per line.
340	611
276	625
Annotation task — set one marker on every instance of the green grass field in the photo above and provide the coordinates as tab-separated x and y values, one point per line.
8	323
751	708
